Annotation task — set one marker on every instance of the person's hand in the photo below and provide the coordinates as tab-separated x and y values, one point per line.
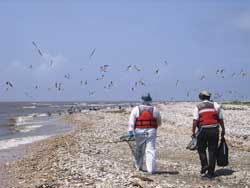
193	135
130	134
222	133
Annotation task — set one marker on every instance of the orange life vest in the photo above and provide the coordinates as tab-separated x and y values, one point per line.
207	114
146	119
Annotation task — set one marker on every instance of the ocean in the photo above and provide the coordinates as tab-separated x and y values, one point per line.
26	122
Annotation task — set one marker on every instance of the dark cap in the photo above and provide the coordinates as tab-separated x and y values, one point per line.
146	98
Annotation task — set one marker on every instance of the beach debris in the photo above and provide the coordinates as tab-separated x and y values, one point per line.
143	178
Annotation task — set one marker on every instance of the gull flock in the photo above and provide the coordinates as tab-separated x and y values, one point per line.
220	73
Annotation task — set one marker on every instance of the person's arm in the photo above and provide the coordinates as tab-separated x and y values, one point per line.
220	119
157	115
132	118
222	127
195	124
195	120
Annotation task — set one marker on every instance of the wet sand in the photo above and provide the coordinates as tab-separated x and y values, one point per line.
91	155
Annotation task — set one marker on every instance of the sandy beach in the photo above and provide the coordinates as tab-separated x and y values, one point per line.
92	156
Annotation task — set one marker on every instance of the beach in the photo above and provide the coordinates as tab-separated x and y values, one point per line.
91	155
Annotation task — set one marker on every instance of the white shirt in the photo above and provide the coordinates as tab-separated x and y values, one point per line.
135	114
216	106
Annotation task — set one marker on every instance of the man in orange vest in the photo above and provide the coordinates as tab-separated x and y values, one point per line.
207	118
143	123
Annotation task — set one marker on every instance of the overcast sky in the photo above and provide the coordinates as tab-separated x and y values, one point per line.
196	38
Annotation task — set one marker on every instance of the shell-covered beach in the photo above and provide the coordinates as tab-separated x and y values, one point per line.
92	156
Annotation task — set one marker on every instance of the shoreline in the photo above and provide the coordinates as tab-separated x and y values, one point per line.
90	156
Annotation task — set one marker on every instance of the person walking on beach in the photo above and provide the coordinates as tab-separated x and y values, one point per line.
143	123
207	118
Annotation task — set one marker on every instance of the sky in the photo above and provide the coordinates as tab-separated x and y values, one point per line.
180	47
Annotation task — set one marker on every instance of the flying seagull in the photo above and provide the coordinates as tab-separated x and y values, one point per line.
136	68
128	67
39	51
92	53
67	76
177	82
166	63
8	83
157	71
91	93
202	77
104	68
101	78
142	82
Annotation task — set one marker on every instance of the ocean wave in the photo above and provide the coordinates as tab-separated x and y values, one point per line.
54	106
29	128
14	142
20	120
28	107
23	120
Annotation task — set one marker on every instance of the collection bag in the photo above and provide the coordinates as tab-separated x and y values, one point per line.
222	153
192	145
